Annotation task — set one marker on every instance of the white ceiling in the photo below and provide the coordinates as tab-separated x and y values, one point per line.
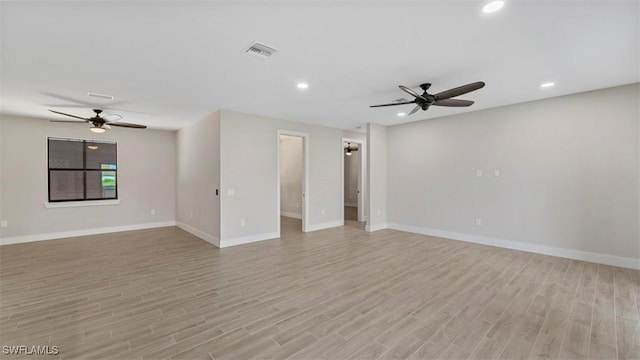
171	63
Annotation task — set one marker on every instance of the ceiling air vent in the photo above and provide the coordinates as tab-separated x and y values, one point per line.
260	50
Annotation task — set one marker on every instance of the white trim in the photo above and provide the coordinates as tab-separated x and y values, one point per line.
350	204
613	260
291	214
305	179
248	239
199	233
85	232
372	228
326	225
65	204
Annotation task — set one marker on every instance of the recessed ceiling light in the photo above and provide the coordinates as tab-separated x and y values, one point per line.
303	86
547	84
493	6
401	114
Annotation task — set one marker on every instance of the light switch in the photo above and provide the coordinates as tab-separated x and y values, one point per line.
478	173
231	192
496	173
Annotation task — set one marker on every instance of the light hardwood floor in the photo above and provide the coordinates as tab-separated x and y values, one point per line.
333	294
351	213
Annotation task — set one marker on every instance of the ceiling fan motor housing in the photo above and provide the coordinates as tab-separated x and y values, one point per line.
430	99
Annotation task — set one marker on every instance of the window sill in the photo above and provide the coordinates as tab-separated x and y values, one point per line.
65	204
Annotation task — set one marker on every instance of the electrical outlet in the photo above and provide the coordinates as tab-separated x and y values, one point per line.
322	211
297	205
4	223
231	192
242	222
478	173
478	221
191	215
496	173
153	211
379	212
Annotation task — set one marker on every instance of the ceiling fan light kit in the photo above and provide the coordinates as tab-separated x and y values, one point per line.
97	130
98	124
349	150
444	98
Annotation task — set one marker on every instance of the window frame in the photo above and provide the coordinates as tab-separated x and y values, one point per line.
84	169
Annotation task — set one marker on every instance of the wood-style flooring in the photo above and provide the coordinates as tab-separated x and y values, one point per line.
351	213
339	293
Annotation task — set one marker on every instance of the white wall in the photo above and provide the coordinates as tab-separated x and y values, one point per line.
198	177
569	176
376	177
250	171
291	162
351	168
146	180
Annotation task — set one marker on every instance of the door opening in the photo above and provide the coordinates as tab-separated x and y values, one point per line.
353	182
292	182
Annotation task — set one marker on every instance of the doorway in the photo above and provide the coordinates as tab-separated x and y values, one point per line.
292	165
353	182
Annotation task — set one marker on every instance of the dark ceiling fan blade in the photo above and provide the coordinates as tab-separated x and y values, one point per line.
453	102
459	90
70	121
128	125
61	113
392	104
415	110
411	92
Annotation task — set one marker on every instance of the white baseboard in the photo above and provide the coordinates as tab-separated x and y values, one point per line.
351	205
326	225
85	232
371	228
199	233
291	214
248	239
613	260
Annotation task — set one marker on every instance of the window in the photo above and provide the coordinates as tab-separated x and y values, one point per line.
82	170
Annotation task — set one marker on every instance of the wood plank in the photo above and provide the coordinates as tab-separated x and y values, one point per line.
335	293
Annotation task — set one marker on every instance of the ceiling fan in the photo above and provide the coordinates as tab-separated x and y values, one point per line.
349	150
99	124
440	99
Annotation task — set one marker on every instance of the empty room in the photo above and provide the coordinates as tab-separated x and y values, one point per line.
320	179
